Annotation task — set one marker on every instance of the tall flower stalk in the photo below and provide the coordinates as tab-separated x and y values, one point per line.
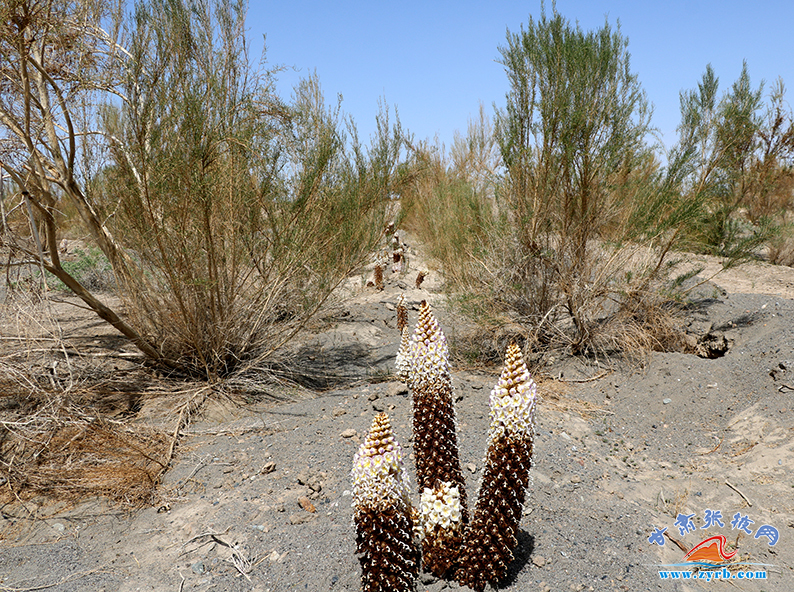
490	538
438	470
383	514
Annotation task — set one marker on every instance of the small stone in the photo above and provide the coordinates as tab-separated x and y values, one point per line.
396	389
539	561
373	397
576	479
268	467
274	556
349	433
471	467
339	411
198	567
300	518
306	504
667	401
58	526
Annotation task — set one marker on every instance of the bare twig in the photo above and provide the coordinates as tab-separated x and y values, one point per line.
715	448
744	497
188	407
241	563
676	542
598	376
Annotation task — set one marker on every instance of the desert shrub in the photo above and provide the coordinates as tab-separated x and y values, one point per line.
91	268
227	213
742	152
579	217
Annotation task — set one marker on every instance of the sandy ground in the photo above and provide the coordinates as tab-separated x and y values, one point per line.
264	489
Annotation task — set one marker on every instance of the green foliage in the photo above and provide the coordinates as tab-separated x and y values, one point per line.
228	214
244	211
554	225
585	195
740	165
91	268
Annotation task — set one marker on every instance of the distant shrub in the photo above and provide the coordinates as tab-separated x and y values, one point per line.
91	268
566	217
741	152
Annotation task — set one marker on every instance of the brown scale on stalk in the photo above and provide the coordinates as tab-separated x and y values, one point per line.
491	536
435	438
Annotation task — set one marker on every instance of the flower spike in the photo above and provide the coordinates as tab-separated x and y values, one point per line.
402	314
383	514
435	439
490	538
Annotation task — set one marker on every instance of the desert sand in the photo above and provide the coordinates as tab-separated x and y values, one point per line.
258	496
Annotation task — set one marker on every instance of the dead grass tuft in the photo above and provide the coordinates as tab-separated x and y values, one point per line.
61	451
641	325
554	395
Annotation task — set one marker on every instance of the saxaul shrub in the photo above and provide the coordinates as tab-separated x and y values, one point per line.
384	525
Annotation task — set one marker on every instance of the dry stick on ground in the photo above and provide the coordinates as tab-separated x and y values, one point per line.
189	407
598	376
715	448
676	542
744	497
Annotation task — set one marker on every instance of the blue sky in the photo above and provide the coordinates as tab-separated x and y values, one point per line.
436	61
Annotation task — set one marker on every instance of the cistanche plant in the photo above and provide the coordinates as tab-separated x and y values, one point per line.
438	469
446	543
384	526
491	535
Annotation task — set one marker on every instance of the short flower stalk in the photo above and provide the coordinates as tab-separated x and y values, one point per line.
384	526
441	523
